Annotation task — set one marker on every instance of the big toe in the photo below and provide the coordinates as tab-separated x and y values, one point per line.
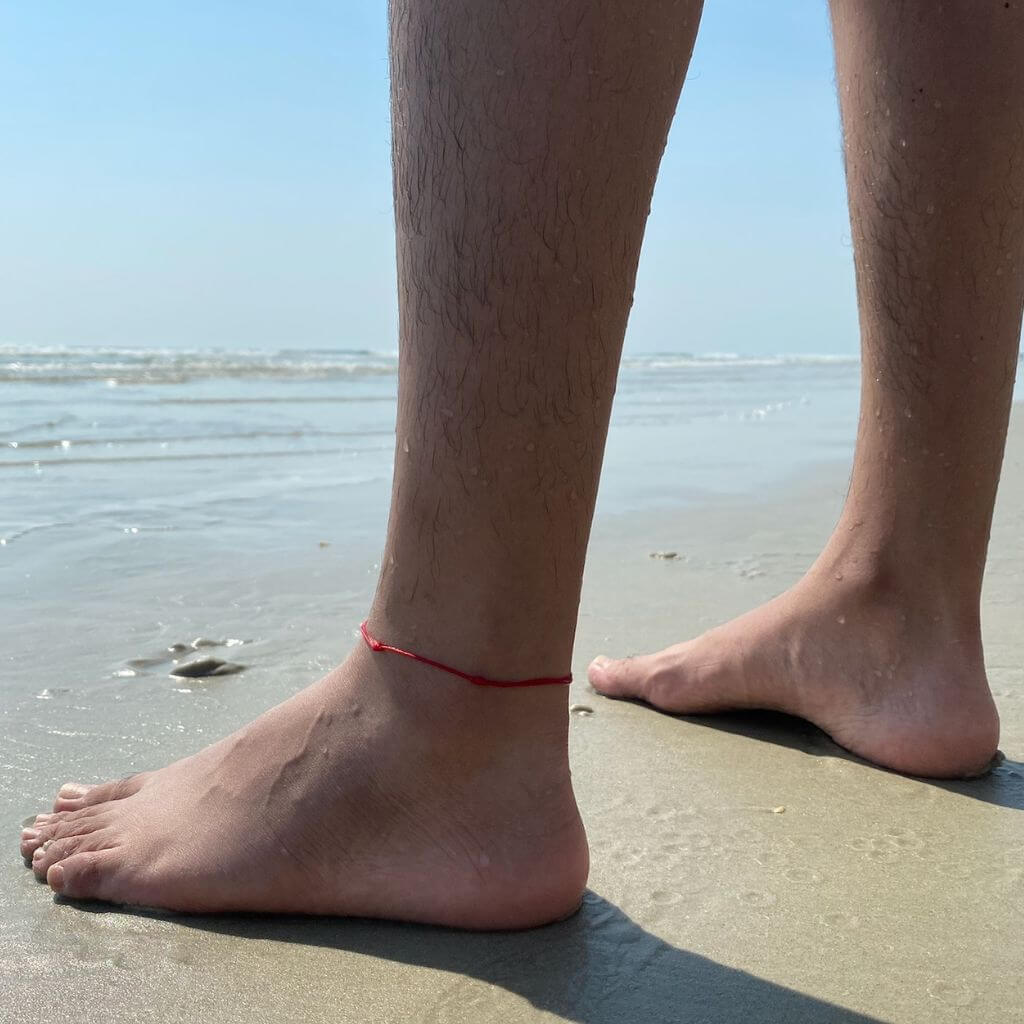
622	677
683	679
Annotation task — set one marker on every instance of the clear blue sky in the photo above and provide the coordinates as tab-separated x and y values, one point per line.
204	172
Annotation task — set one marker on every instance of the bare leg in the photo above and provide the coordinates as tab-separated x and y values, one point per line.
880	643
527	139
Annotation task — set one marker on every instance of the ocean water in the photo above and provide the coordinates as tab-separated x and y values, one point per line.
124	444
138	455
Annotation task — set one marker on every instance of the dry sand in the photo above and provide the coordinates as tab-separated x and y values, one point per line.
870	897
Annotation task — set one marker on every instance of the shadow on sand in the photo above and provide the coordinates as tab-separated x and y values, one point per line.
598	967
1002	785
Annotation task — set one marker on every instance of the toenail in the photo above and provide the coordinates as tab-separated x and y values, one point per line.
601	661
29	833
72	789
55	877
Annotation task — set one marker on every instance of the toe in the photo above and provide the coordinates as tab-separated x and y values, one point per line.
684	679
31	838
624	677
52	851
73	790
84	875
42	830
59	826
73	795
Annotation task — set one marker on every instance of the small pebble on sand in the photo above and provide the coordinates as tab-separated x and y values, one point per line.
201	667
580	709
667	555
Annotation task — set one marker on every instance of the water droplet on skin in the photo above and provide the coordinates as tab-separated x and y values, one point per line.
930	208
405	447
908	414
530	446
903	143
841	619
838	577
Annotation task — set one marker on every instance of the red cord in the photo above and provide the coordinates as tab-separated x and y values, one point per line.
375	645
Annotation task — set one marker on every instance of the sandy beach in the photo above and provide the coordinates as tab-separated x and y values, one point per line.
744	867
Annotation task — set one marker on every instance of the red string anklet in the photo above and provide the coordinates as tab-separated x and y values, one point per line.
375	645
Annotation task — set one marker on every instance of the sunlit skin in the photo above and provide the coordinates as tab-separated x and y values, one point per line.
880	643
527	139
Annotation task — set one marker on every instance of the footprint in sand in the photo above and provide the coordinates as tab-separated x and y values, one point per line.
953	993
769	858
802	876
665	897
661	812
759	899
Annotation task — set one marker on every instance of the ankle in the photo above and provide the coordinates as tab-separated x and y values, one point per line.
449	711
496	640
926	596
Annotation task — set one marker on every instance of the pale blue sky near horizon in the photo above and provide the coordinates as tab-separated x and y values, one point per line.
191	174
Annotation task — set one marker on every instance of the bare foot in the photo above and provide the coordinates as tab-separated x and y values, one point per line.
890	678
387	789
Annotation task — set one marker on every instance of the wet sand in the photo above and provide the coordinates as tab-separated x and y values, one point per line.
744	867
